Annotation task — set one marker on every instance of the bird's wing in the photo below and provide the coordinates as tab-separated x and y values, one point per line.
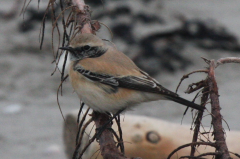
141	83
102	78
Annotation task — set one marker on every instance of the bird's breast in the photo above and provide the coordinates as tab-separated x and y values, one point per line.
105	98
101	97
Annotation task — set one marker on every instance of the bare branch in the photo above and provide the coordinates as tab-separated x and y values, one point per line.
107	144
217	117
227	60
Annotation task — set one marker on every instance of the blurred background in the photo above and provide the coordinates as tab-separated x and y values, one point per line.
165	38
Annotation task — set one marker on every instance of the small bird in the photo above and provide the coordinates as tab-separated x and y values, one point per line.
108	81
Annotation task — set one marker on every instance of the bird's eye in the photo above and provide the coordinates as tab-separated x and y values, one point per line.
86	47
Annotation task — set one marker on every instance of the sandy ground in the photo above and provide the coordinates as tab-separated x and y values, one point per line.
30	121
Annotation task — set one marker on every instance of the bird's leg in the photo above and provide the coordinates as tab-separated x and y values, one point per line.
100	130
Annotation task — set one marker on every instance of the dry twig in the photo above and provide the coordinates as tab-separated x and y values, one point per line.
217	117
227	60
198	121
190	144
210	89
187	76
107	144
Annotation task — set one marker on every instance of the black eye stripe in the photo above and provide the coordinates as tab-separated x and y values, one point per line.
78	49
83	48
86	47
87	51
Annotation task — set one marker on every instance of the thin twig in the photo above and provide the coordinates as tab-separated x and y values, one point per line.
120	143
75	154
197	85
80	111
209	153
187	76
58	97
190	144
204	154
206	60
226	123
83	131
238	155
115	135
199	120
80	126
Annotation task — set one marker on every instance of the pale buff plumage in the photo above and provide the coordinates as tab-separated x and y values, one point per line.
113	62
104	97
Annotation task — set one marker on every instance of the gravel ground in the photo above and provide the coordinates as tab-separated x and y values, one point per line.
30	120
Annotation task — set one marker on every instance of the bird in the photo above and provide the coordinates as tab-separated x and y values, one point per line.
108	81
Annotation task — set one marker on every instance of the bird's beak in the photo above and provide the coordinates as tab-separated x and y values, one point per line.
67	48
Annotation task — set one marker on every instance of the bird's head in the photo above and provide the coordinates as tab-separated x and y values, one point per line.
85	46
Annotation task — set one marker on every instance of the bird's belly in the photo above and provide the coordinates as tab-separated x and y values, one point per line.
95	99
94	94
102	101
90	94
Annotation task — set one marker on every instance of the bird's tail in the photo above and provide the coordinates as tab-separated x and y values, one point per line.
185	102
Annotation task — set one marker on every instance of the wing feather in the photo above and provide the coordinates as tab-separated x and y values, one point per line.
102	78
141	83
